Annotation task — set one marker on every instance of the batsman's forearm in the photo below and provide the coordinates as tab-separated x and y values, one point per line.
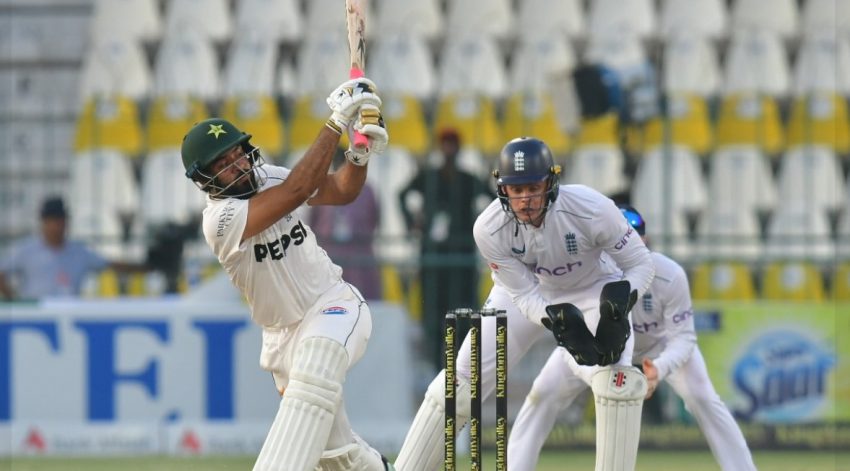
312	169
350	179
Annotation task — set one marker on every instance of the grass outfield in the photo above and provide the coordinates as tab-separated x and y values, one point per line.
550	461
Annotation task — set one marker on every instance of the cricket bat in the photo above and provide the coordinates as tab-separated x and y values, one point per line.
355	16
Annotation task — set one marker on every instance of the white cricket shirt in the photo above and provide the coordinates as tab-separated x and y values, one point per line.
662	319
565	254
281	271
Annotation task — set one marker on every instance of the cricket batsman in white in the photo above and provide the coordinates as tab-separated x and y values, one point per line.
315	325
564	261
666	346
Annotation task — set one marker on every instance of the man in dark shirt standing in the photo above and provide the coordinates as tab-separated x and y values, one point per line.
443	221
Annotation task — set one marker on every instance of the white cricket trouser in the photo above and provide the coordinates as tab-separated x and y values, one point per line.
340	314
556	387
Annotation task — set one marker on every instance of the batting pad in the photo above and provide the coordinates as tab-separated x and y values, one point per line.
303	422
424	445
619	393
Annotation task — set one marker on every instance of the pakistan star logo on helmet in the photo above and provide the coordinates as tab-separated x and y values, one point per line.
216	129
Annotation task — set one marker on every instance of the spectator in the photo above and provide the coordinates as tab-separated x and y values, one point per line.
347	234
49	264
443	221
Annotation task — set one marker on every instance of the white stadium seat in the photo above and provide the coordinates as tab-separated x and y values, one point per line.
703	18
690	65
799	230
401	64
187	65
776	16
606	16
756	63
472	63
211	18
136	20
167	194
325	17
544	17
538	59
115	66
280	20
667	188
323	63
492	18
825	16
250	69
619	50
421	18
812	175
598	166
823	64
103	191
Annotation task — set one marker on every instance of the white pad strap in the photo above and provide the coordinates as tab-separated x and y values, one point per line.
354	457
619	393
424	445
303	421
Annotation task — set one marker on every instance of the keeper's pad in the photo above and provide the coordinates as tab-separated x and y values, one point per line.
615	302
619	393
424	445
303	422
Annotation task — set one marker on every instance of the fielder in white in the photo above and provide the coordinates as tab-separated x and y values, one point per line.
548	245
666	346
315	325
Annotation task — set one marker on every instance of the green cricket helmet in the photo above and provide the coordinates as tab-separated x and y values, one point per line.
209	140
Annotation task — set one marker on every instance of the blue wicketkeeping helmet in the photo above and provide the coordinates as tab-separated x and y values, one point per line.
526	160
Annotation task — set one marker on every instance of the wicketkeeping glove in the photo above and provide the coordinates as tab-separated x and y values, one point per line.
371	124
615	302
567	324
347	99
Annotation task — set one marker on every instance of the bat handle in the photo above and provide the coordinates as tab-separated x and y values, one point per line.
360	141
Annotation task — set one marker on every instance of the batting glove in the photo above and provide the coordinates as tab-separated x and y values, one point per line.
370	123
347	99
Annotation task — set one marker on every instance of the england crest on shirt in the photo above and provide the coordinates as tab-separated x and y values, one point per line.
571	243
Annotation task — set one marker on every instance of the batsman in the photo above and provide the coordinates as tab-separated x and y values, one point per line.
566	263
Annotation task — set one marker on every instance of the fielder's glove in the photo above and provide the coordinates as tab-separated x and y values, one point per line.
567	324
615	302
347	99
370	123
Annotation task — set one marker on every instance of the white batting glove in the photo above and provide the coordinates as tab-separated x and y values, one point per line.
347	99
370	123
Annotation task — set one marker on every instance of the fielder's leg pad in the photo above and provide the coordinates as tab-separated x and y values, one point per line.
619	393
424	445
306	414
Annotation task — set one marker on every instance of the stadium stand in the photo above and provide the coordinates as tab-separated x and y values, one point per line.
134	20
793	281
757	98
281	20
565	18
423	18
727	281
704	18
